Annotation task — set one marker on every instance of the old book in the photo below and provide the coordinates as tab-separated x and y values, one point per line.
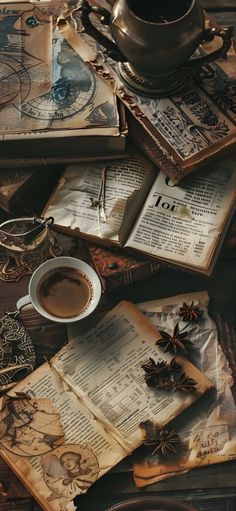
68	146
116	268
20	186
130	204
184	132
79	415
55	106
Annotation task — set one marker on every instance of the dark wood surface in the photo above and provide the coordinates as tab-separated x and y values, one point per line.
207	489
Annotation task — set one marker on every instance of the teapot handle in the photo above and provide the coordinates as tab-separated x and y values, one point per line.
111	49
209	34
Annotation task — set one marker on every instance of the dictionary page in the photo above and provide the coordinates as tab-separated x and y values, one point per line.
186	224
54	444
104	368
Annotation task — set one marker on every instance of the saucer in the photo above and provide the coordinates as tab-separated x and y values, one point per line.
151	503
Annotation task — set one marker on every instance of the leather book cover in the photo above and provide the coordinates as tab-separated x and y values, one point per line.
21	187
117	269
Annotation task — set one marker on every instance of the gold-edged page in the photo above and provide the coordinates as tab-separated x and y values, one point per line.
102	200
184	224
55	469
103	367
207	433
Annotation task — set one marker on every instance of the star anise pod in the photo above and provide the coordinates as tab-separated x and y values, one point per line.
185	383
175	342
155	371
165	442
189	313
174	367
166	384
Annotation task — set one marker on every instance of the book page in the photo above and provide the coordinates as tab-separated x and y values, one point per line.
104	368
55	471
76	97
94	199
185	223
207	433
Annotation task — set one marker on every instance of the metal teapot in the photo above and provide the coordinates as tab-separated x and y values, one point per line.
154	41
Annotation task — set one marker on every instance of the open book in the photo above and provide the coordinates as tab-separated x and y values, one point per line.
86	406
129	204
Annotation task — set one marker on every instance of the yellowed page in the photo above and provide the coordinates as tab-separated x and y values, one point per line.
185	224
53	473
103	367
102	200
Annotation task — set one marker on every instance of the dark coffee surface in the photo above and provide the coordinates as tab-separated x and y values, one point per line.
64	292
156	11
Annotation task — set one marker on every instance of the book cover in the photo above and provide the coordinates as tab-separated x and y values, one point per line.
116	268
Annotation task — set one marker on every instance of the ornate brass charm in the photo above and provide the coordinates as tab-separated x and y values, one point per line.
21	253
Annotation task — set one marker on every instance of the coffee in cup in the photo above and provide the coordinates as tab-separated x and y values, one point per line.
63	289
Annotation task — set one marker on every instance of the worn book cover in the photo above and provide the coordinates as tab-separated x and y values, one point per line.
129	204
77	416
184	132
20	187
116	268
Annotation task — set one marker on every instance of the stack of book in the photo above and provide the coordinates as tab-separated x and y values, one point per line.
175	206
163	196
54	107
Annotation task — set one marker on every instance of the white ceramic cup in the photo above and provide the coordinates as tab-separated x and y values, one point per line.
57	263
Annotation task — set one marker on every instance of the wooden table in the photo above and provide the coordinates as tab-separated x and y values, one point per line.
208	489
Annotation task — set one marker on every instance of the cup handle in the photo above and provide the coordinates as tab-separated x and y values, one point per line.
226	35
23	301
90	29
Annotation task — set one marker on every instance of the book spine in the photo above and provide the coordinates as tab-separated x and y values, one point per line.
148	145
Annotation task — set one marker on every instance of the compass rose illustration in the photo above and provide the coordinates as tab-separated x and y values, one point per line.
14	62
73	87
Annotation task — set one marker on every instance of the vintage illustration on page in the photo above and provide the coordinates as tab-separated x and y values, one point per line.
69	470
29	427
47	86
53	444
